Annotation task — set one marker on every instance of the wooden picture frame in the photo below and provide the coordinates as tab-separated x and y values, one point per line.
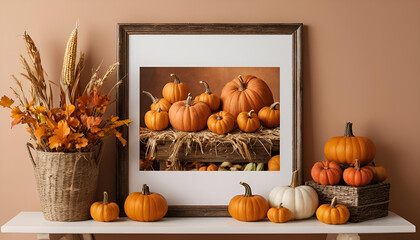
125	30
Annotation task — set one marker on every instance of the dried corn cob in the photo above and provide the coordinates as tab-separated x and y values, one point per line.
69	62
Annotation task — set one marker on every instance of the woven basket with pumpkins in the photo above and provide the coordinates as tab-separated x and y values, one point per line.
350	176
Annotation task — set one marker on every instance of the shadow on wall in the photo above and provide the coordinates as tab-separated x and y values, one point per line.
154	78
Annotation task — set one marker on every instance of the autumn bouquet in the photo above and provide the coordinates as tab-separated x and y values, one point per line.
67	137
77	125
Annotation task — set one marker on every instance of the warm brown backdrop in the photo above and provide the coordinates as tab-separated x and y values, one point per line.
153	79
361	64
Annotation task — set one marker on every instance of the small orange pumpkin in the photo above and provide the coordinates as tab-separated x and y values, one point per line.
104	211
211	167
274	163
279	215
248	121
221	122
379	173
156	102
326	173
145	206
208	97
333	213
176	91
357	176
270	116
348	148
156	120
189	116
248	207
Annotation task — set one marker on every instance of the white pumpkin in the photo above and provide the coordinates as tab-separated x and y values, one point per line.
302	201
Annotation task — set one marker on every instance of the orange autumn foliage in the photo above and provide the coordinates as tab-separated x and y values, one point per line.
77	124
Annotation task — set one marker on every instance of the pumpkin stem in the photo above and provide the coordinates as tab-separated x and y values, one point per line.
333	202
248	192
219	118
145	190
349	130
295	181
154	99
207	87
105	202
176	81
280	205
273	106
250	113
159	109
357	164
241	83
189	99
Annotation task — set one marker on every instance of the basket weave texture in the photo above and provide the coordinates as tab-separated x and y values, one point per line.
364	203
66	183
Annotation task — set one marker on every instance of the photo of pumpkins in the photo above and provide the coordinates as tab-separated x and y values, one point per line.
201	118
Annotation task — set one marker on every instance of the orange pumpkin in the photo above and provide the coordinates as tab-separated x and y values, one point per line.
104	211
348	148
279	215
379	173
248	207
156	120
145	206
221	122
189	116
270	116
248	121
357	176
245	93
326	173
333	213
211	167
156	102
274	163
176	91
208	97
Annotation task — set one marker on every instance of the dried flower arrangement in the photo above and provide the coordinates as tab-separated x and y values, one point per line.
77	125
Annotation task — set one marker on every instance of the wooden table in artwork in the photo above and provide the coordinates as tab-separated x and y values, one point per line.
34	222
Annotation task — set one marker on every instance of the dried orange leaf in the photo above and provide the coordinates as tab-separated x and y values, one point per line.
6	102
39	134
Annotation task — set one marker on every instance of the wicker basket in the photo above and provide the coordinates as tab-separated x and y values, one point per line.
364	203
66	183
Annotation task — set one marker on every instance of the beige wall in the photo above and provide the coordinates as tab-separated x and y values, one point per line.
361	64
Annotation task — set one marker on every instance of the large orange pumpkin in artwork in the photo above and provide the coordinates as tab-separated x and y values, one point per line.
347	149
189	115
245	93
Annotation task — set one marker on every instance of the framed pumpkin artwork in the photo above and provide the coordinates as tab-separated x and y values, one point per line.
212	105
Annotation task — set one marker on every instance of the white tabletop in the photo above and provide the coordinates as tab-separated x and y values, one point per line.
34	222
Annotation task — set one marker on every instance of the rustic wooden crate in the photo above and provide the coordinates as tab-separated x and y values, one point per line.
259	152
364	203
